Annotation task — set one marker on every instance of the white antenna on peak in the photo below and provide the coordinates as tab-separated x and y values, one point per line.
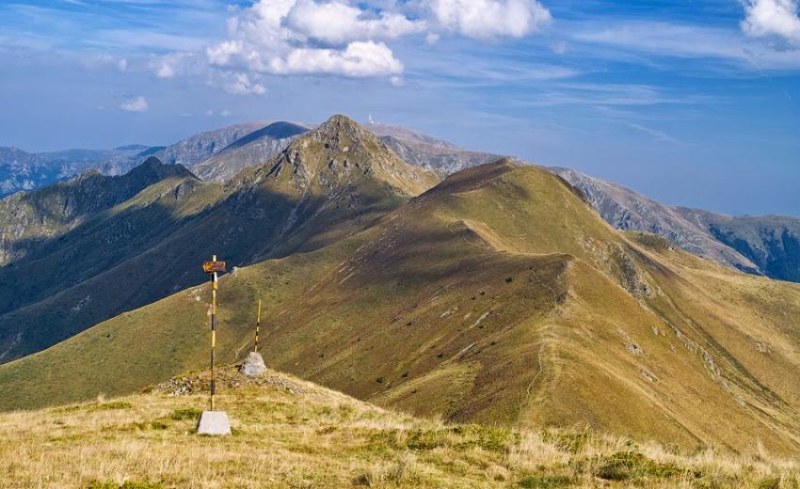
371	120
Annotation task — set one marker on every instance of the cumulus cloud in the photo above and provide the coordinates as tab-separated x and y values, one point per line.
358	59
337	23
173	64
342	37
772	18
484	19
287	37
240	84
137	104
224	52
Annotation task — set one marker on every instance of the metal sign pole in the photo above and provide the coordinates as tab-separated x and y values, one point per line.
213	267
258	326
213	332
213	422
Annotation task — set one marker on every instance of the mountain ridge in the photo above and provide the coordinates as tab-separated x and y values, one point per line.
499	272
151	240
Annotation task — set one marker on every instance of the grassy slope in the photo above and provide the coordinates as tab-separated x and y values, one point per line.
28	219
100	268
498	297
291	433
326	185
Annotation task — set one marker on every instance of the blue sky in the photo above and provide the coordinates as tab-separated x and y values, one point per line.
693	103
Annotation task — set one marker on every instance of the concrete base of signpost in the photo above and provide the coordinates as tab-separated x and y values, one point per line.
214	423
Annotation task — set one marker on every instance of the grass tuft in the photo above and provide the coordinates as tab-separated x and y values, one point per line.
622	466
185	413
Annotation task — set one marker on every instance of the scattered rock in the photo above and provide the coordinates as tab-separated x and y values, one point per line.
630	345
253	365
648	375
633	349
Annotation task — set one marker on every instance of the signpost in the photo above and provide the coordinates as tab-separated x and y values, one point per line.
258	326
214	422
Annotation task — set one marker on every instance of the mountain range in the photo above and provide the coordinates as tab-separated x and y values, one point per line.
20	170
761	245
496	294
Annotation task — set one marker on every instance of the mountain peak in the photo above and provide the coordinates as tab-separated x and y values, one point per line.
340	121
341	127
340	153
153	169
152	162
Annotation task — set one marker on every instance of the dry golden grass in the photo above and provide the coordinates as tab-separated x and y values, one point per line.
291	433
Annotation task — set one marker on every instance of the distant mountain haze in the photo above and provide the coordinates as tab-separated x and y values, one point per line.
20	170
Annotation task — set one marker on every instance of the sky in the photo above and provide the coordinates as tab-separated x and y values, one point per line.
691	102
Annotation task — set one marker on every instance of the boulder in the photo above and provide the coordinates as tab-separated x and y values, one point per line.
253	365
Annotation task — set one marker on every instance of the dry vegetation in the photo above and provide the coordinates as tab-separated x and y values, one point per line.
290	433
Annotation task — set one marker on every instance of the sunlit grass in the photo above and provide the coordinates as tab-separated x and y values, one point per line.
290	433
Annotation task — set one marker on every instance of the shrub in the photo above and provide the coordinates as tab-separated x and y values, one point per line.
185	413
631	465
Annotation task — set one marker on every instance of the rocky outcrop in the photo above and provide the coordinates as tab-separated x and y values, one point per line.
253	365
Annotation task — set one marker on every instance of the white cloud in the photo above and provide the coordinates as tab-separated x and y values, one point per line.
338	23
358	59
237	83
164	69
224	52
347	38
282	37
138	104
173	64
772	18
96	61
684	41
655	134
484	19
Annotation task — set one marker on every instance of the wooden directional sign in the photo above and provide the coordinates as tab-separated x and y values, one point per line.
214	266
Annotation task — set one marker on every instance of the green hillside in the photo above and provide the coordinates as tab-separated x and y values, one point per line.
497	297
327	184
